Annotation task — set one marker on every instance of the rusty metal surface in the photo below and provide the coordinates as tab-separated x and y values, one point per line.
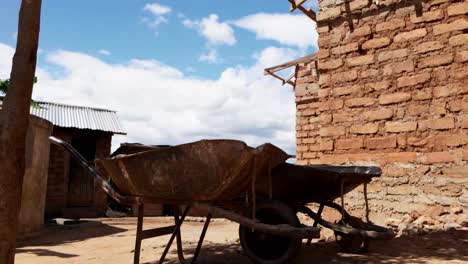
208	170
306	184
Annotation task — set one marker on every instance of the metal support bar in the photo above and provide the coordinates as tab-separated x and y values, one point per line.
202	238
180	250
319	215
282	230
156	232
176	232
180	253
136	254
342	199
366	230
121	198
367	202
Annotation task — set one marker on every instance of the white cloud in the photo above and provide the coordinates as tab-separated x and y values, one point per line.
157	9
158	104
215	32
210	57
158	12
287	29
6	56
104	52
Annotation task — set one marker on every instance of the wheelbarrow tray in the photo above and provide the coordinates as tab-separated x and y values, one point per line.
203	171
316	183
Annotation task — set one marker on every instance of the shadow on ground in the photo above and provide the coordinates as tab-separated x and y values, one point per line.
45	252
57	235
450	246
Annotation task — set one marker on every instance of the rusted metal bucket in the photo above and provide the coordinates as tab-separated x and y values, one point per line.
208	170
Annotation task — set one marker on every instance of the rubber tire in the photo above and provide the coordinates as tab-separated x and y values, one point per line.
275	250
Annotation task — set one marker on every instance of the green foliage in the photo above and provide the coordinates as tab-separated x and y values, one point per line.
4	84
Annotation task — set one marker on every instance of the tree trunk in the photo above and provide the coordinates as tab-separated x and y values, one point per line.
14	119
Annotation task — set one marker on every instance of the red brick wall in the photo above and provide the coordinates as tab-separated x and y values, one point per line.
391	90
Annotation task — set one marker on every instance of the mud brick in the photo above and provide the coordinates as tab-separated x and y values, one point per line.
381	114
457	9
410	35
332	131
351	143
394	98
328	13
437	157
461	56
330	64
370	128
459	40
376	43
339	91
360	60
413	79
427	16
391	24
447	90
428	46
423	94
436	60
346	76
459	24
442	123
397	127
392	54
378	86
398	67
359	102
381	142
345	48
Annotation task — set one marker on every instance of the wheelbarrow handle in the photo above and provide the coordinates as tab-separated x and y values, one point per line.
123	199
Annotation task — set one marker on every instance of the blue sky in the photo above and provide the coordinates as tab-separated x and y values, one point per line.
204	45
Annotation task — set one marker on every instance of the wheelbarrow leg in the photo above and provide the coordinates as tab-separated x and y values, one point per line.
136	255
180	252
174	233
202	237
319	214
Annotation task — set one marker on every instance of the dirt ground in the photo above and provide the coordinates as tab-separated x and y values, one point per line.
111	240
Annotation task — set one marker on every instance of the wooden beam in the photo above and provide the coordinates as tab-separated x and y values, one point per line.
308	12
281	79
305	59
296	3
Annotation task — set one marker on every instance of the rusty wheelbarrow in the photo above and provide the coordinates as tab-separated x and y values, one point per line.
227	178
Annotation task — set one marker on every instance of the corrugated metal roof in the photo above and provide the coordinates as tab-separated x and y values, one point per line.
81	117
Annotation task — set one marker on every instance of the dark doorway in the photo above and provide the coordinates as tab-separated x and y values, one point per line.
80	183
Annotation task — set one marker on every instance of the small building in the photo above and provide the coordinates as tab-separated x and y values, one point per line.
71	191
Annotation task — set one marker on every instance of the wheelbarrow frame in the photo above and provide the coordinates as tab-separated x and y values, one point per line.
224	210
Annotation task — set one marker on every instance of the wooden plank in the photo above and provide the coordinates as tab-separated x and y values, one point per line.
286	65
308	12
156	232
296	3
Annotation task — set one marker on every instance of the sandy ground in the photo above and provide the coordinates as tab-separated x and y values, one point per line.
111	240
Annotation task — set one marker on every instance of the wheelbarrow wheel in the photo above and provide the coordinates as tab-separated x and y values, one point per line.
265	248
351	244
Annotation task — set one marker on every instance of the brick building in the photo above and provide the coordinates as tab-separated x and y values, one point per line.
71	192
389	86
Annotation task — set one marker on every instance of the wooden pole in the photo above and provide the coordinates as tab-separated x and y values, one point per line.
14	120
